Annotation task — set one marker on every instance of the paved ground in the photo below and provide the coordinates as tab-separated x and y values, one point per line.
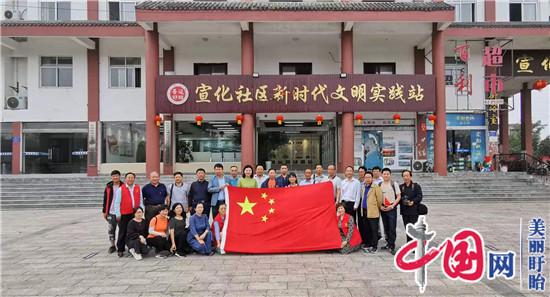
63	252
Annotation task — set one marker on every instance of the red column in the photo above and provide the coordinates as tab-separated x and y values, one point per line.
152	146
440	129
248	128
17	137
93	105
93	10
503	127
168	64
346	66
490	11
526	120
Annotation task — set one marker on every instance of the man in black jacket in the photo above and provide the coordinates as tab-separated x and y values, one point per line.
108	209
411	196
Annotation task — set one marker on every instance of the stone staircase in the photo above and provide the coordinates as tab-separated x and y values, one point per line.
74	190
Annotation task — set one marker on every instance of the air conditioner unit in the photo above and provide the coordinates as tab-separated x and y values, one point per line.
8	14
419	166
14	13
16	102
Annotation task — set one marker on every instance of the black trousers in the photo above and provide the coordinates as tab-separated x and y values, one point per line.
373	227
409	219
159	243
348	206
122	227
139	247
181	243
216	208
362	225
389	219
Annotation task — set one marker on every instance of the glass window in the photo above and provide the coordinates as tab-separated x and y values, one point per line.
128	11
453	68
123	142
529	12
114	11
464	10
215	141
6	148
515	12
125	72
47	11
210	68
64	11
56	71
295	68
379	68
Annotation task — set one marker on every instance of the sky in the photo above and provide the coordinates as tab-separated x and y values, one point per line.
540	109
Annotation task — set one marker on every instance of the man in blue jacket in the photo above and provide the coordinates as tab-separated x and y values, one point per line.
282	180
216	187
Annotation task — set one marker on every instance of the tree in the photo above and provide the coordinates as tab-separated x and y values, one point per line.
543	148
515	137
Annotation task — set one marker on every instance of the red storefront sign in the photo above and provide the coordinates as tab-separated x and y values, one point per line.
300	93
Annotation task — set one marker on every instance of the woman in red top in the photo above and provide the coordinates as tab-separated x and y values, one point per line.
351	239
217	228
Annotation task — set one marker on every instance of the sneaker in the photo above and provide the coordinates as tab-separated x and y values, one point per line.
133	252
386	247
373	250
160	256
112	249
180	256
393	251
366	249
120	254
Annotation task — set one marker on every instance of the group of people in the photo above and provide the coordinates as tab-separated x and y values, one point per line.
174	219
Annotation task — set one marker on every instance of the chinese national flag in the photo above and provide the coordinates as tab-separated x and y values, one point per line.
281	220
387	202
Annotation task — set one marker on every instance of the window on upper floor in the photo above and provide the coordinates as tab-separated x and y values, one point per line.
295	68
124	11
56	72
55	10
523	10
125	72
210	68
454	68
379	68
465	10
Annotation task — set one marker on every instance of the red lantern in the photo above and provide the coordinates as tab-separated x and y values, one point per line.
540	84
157	120
239	119
198	119
280	119
397	118
432	118
319	119
358	118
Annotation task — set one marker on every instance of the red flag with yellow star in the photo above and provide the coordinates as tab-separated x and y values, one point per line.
281	220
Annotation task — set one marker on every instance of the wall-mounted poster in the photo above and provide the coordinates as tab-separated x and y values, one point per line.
372	149
397	149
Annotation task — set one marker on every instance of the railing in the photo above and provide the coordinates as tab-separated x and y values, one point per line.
522	162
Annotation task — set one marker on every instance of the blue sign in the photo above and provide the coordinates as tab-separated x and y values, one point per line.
462	120
477	138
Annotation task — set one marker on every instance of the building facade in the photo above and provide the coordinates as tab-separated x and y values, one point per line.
92	86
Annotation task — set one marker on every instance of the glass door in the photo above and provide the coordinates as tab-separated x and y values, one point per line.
55	152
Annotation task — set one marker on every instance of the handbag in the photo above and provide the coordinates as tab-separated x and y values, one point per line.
422	209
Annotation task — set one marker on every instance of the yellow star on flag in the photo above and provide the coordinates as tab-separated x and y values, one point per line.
264	195
246	206
264	218
271	210
271	201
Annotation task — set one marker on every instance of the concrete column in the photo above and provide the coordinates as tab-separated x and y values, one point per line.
248	128
168	65
346	147
504	130
526	120
16	149
93	104
421	132
152	147
440	129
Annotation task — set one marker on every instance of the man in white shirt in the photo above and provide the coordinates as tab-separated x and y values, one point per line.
319	177
308	180
377	175
392	195
336	181
351	192
260	177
